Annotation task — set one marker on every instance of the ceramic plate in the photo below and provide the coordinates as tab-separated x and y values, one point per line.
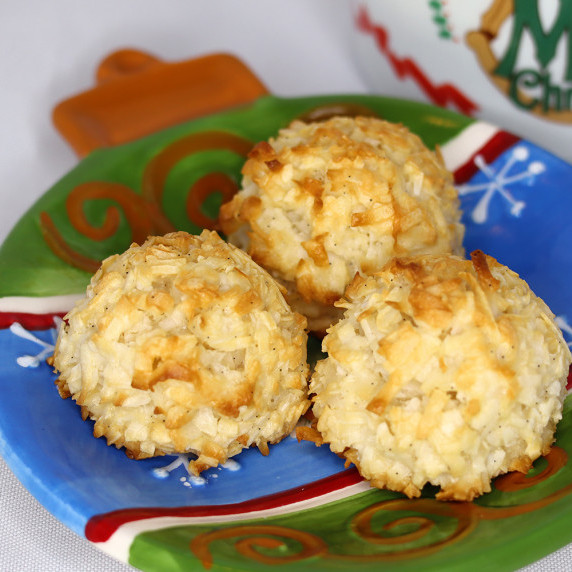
298	508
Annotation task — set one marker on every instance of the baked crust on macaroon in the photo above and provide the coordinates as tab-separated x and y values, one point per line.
444	371
185	345
325	200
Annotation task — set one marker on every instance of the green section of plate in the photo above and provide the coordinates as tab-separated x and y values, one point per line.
500	532
28	267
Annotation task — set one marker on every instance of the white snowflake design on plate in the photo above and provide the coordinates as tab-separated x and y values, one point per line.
47	349
499	182
190	480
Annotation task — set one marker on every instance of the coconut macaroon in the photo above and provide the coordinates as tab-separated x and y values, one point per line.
443	371
326	200
185	345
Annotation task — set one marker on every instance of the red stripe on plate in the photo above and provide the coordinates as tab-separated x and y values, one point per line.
497	145
29	321
101	527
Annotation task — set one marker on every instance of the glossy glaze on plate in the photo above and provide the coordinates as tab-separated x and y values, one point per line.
299	507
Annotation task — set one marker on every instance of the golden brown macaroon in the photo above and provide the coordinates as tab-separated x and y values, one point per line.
443	371
185	345
326	200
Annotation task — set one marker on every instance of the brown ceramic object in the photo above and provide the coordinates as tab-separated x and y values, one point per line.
137	94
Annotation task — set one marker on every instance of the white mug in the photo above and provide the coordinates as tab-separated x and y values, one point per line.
508	62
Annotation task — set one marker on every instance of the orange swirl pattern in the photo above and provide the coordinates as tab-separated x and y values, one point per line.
158	169
385	542
422	526
143	212
261	537
201	190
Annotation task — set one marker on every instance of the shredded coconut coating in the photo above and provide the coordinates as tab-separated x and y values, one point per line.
185	345
323	201
443	371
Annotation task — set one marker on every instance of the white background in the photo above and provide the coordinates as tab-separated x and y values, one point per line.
49	50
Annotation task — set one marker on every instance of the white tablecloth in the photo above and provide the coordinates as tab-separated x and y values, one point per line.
49	51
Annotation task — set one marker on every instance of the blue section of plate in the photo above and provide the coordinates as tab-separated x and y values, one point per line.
516	209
